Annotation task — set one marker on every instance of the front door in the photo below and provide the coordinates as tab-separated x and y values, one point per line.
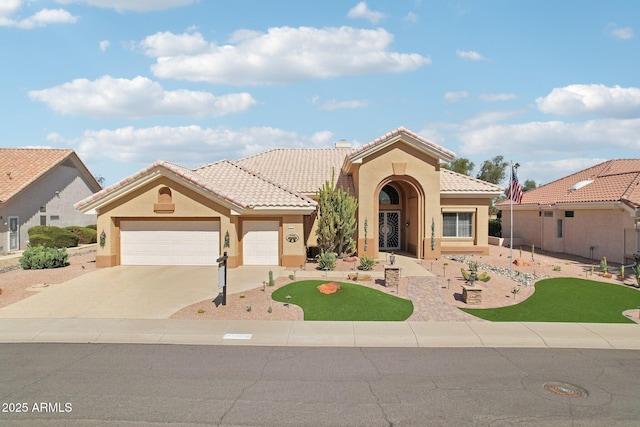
14	233
389	230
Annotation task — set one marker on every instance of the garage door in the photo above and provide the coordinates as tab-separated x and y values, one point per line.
169	242
260	243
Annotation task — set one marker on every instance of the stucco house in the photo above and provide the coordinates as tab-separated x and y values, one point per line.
261	210
593	213
39	186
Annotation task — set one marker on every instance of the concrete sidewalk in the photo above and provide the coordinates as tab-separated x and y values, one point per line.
326	334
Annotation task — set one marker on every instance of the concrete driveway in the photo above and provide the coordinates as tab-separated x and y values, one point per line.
134	292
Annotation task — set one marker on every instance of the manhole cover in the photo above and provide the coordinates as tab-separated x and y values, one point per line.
567	390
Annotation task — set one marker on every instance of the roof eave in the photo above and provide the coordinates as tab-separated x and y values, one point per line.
470	194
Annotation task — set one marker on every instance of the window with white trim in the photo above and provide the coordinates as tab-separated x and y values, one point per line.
457	224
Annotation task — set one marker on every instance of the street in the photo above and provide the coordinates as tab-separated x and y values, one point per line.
144	385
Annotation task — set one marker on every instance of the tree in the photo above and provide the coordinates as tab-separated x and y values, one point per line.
493	170
336	219
529	185
461	165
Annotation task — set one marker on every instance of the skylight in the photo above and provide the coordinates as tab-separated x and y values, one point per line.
580	184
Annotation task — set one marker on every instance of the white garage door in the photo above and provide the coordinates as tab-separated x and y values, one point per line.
169	242
260	243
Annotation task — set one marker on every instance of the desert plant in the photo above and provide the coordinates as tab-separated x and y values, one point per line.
636	272
484	277
200	310
326	261
50	236
336	219
603	266
366	263
248	308
515	291
269	310
292	277
271	281
85	234
40	257
557	268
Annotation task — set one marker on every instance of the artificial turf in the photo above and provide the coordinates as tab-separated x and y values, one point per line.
568	300
352	302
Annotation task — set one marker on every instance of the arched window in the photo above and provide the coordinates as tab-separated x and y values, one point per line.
389	196
164	195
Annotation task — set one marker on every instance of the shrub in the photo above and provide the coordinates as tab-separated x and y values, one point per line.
39	257
93	226
495	227
326	261
366	263
85	234
51	236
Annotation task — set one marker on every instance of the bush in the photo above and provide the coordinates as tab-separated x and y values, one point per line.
93	226
367	262
39	257
85	234
495	227
51	236
327	261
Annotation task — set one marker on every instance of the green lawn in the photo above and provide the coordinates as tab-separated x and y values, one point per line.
568	300
352	302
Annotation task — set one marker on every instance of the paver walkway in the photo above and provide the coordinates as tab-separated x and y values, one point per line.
428	304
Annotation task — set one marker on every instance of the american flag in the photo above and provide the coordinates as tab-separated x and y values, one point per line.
514	192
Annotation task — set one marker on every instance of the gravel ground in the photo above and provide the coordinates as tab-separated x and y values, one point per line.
17	284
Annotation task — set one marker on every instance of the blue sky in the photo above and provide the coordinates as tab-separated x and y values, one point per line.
551	85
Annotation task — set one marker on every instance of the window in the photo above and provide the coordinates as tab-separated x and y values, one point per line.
458	224
568	214
548	214
43	220
389	196
559	229
54	217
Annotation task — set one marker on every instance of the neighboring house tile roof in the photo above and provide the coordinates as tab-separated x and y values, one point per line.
453	183
610	181
20	167
302	169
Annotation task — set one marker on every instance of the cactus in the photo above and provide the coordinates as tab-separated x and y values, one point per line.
271	281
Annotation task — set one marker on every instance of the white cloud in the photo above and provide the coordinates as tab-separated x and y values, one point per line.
136	98
189	146
281	55
601	100
411	17
491	117
621	33
361	10
553	138
334	104
470	55
42	18
104	45
544	172
136	5
494	97
455	96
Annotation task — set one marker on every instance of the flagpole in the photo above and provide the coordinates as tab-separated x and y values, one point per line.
511	224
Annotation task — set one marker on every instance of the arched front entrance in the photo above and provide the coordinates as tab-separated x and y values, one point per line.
400	215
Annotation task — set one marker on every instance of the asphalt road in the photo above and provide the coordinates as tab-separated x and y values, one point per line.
148	385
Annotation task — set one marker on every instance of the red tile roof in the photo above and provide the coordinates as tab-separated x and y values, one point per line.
452	183
20	167
611	181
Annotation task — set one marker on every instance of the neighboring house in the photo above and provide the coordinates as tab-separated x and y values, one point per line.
593	213
38	186
261	209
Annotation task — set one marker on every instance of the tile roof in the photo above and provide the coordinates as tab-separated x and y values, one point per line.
302	169
20	167
248	188
453	182
610	181
445	154
224	179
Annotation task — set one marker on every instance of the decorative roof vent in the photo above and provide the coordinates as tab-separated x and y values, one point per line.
578	185
343	143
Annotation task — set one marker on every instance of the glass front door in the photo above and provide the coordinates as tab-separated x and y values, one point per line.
14	233
389	230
